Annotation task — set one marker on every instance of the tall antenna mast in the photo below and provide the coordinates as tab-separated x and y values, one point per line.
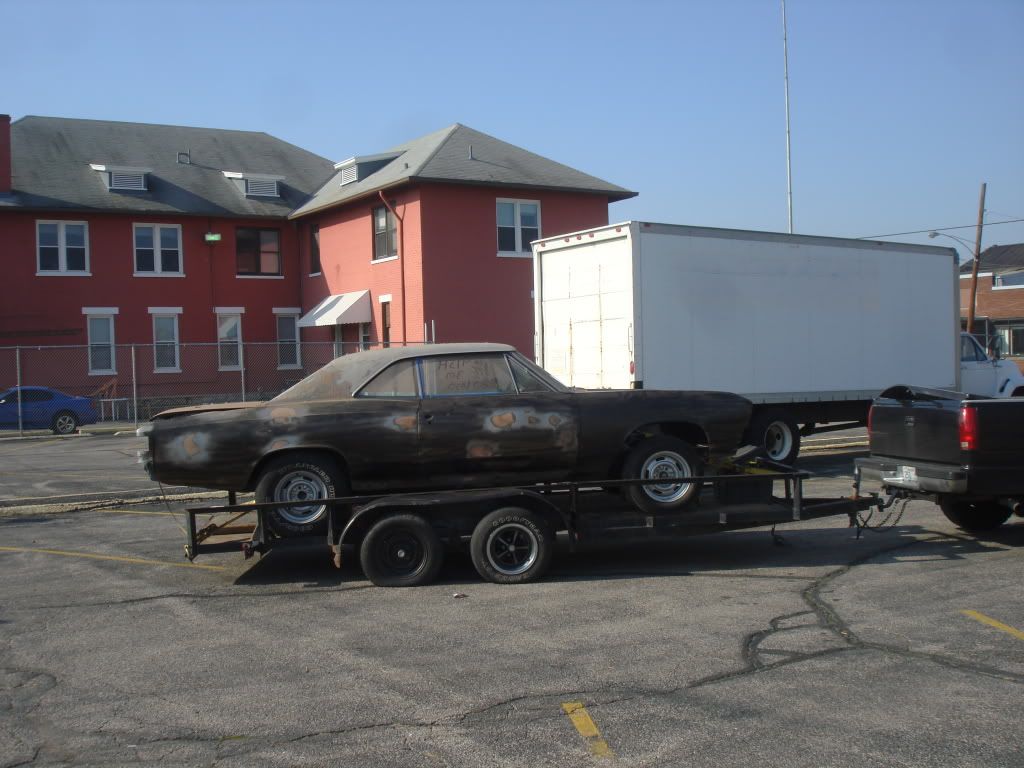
785	71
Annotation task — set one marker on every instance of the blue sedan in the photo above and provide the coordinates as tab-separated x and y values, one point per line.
44	408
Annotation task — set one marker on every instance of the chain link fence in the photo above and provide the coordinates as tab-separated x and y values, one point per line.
61	388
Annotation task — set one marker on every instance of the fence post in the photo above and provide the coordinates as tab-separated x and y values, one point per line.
135	390
241	366
17	377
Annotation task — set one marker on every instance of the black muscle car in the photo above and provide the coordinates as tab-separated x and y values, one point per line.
441	416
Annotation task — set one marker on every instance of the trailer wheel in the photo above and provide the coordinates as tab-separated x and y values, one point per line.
401	550
975	516
662	458
778	433
512	545
300	477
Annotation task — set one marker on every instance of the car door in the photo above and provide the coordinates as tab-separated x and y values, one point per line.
479	428
977	373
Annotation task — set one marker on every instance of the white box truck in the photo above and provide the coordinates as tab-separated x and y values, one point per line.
808	328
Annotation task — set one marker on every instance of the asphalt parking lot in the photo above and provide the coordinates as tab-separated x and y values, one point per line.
900	647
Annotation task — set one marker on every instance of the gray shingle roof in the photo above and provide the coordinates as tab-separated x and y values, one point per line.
998	258
51	158
445	156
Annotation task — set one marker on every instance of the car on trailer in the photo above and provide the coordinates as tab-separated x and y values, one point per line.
439	417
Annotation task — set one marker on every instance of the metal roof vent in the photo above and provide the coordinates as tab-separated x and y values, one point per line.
261	187
123	177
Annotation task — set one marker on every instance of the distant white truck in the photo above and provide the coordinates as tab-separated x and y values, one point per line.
810	329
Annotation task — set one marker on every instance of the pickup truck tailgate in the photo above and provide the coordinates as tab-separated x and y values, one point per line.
916	423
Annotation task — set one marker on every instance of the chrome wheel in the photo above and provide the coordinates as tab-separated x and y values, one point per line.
665	466
301	485
512	549
65	423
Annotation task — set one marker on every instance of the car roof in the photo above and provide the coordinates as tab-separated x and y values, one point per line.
383	357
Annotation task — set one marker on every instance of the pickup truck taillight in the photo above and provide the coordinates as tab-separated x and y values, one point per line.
968	428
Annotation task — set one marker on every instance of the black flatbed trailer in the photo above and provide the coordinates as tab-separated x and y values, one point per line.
401	538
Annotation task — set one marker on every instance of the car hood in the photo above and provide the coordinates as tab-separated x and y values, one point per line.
171	413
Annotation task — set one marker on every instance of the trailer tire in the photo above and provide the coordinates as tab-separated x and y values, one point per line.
512	545
296	477
777	432
401	550
975	516
662	457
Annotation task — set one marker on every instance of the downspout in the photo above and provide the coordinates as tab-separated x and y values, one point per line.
401	258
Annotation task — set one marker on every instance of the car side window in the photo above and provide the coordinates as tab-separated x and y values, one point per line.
397	380
35	396
526	380
453	375
969	350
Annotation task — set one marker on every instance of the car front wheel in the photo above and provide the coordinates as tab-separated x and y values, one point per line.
300	477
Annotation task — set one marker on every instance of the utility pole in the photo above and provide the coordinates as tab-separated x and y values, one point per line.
785	75
977	258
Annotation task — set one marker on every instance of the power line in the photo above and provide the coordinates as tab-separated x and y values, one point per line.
937	229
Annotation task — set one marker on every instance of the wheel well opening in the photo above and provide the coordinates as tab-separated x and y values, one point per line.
691	433
254	476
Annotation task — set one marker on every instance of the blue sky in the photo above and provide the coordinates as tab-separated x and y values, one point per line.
899	108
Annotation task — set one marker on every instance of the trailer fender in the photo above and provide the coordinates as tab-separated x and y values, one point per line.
438	509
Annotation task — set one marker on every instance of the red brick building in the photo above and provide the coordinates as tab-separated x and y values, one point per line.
999	308
164	238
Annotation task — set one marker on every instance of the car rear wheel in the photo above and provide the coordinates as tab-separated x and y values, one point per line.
975	516
665	459
512	545
300	477
401	550
64	423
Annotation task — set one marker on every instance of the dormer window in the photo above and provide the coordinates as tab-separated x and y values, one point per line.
255	184
358	168
123	177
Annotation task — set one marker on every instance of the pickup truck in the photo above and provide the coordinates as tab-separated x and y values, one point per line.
961	451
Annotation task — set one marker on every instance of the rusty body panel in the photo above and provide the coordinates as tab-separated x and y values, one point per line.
539	431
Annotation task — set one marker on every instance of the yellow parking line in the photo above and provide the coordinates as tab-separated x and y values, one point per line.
90	556
580	718
993	623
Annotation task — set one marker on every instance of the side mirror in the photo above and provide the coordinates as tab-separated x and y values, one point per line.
995	347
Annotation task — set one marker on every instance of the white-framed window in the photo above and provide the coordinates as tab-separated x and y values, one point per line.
100	328
518	224
385	237
364	335
229	341
166	354
385	322
62	248
158	249
288	353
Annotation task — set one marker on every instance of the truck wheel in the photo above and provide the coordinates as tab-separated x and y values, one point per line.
64	423
401	550
975	516
300	477
778	433
512	545
662	458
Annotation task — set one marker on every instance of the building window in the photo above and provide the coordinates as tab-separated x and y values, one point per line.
229	342
385	243
158	249
101	343
62	247
165	344
258	251
385	323
288	341
314	249
364	335
518	225
339	341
